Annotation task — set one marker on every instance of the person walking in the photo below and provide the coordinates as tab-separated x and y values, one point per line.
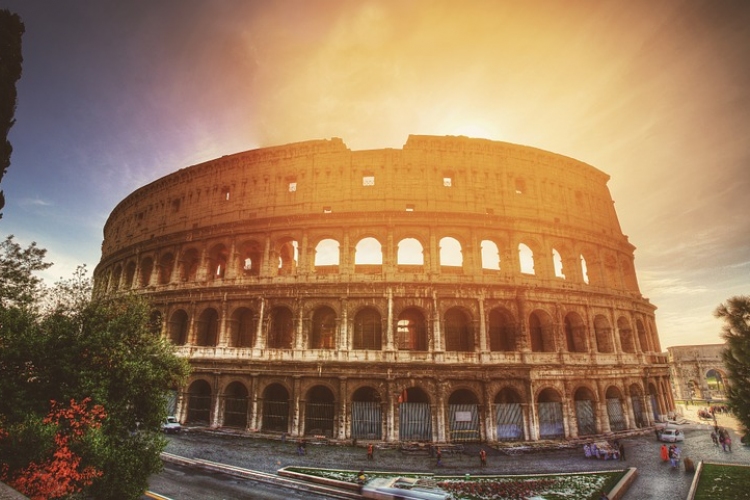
483	458
370	452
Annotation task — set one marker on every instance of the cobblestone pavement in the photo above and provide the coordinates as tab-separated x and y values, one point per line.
656	480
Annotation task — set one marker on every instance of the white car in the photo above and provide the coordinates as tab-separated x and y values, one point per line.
671	435
171	426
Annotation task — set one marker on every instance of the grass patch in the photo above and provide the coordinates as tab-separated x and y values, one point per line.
723	481
581	486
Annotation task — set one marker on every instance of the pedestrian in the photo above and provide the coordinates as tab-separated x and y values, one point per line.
621	449
439	456
664	453
483	458
370	451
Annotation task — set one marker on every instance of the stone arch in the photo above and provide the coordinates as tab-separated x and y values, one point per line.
147	267
541	332
320	411
280	328
627	340
179	324
603	334
368	329
323	335
550	411
459	330
275	408
235	405
585	402
411	330
575	333
242	328
207	328
199	402
502	330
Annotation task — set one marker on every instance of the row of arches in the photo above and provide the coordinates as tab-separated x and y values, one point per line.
285	256
409	328
414	414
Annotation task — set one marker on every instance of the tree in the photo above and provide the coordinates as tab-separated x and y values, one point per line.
736	355
81	349
11	59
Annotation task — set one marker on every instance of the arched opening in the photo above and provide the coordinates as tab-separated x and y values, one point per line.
459	331
199	403
368	329
235	405
275	409
208	328
242	328
411	330
502	331
614	409
323	329
463	410
178	327
450	252
319	412
575	333
549	406
490	255
281	328
585	411
410	252
147	267
508	415
603	333
367	416
415	417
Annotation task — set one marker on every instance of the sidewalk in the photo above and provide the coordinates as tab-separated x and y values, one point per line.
656	480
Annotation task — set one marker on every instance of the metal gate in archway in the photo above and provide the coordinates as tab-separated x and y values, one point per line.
509	422
366	420
464	423
415	422
585	417
551	420
616	415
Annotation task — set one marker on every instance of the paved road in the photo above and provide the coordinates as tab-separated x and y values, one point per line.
656	480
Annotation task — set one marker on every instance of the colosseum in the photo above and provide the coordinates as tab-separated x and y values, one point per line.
453	290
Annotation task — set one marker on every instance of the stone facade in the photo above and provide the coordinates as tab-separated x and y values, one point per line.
453	290
698	372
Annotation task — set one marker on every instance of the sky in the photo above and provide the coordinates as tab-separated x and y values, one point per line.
116	94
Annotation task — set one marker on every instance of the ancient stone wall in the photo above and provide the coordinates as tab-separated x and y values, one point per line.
456	289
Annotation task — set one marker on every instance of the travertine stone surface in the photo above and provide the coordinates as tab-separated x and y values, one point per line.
454	290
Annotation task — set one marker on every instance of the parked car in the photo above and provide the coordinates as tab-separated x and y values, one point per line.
671	435
171	426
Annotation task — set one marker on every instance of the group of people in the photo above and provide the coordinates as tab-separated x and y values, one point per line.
604	450
720	436
671	453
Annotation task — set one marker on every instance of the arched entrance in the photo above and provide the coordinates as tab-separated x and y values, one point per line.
367	417
414	416
463	408
275	409
319	412
235	405
614	409
549	405
585	414
199	403
509	416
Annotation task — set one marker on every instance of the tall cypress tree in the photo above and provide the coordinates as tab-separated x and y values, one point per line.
11	31
736	355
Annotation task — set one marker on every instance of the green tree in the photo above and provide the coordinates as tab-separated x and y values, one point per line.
736	355
11	59
75	349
